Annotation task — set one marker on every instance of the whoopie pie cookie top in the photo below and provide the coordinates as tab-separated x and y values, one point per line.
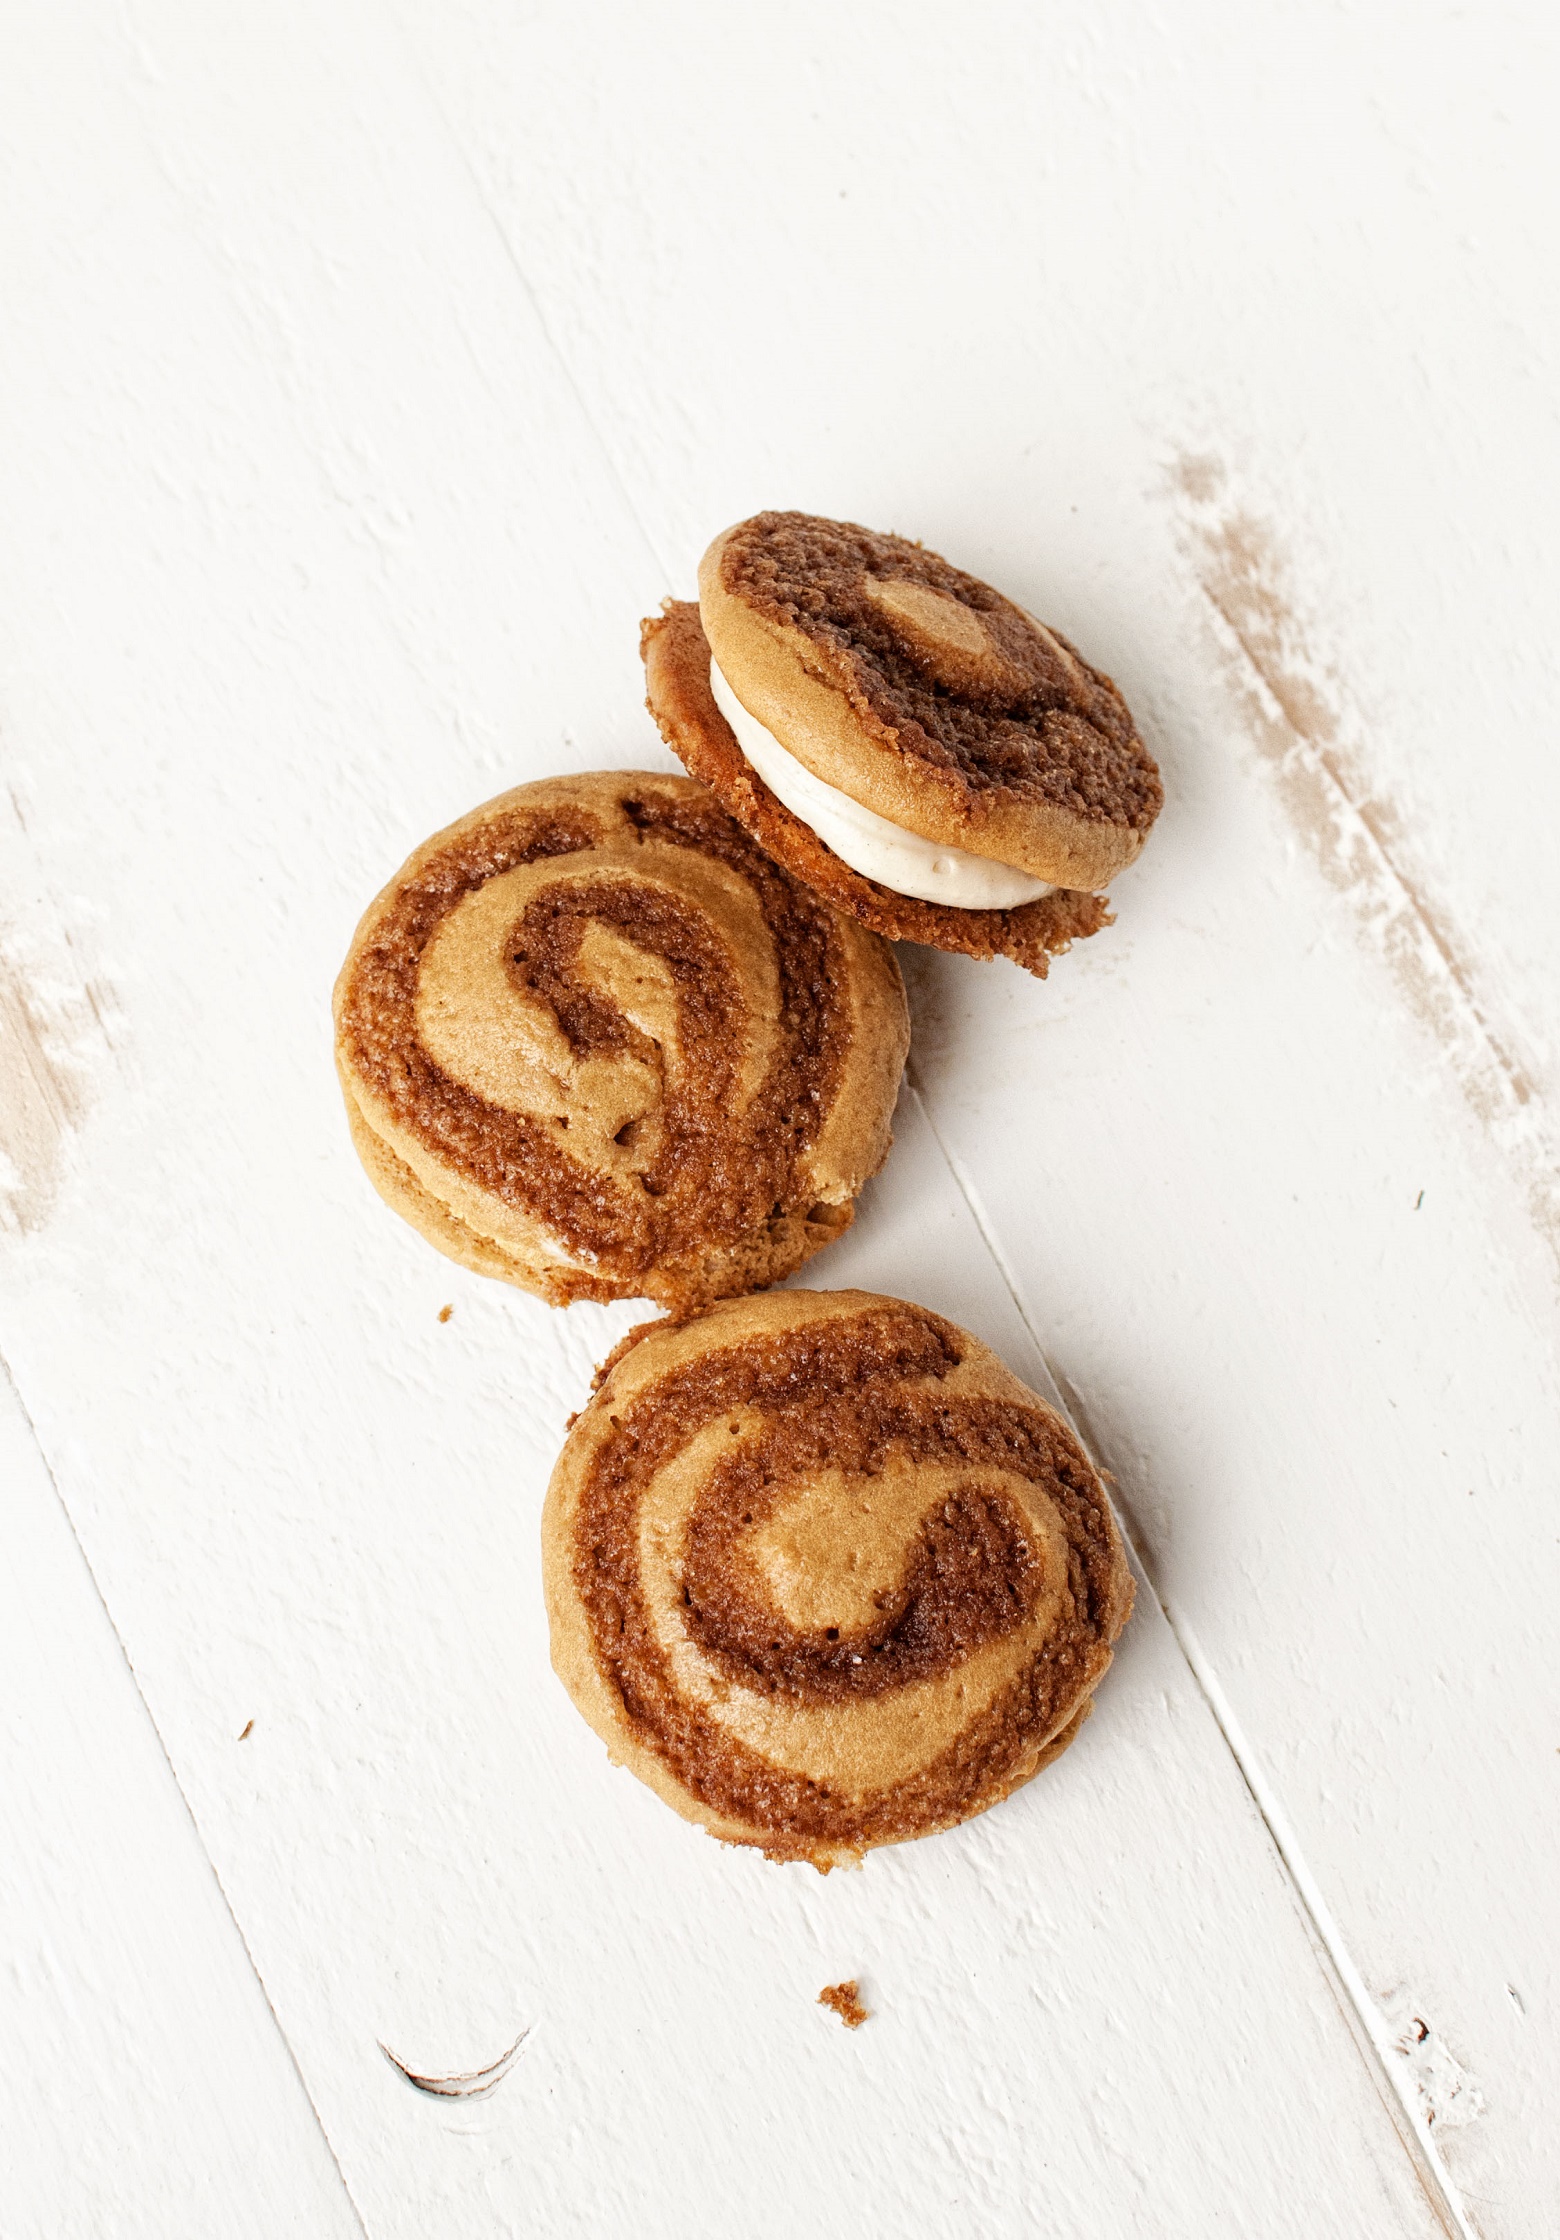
595	1042
928	697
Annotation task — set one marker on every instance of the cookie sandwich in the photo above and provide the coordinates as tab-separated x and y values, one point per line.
912	745
596	1042
823	1573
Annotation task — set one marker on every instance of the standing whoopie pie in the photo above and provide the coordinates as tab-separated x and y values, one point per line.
907	741
594	1041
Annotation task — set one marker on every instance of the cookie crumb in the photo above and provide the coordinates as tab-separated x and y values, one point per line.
445	1313
845	2001
248	1731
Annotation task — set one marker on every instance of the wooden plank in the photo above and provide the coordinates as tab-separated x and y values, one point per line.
1199	335
148	2089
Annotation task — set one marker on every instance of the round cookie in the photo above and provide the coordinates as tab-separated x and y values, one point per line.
914	693
824	1574
595	1042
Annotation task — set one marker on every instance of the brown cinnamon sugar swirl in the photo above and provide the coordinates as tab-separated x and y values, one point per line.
825	1574
595	1042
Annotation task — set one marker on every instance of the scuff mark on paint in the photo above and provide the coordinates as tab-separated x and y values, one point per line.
42	1090
471	2084
1448	2096
1298	717
40	1103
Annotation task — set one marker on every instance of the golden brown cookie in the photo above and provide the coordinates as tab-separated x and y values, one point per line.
825	1575
597	1043
952	771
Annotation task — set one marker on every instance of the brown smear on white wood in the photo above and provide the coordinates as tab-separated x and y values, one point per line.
41	1103
1297	716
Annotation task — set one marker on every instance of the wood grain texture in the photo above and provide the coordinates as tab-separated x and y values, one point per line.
373	382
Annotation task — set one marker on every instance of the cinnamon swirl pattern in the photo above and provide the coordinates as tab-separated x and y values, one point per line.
825	1574
593	1041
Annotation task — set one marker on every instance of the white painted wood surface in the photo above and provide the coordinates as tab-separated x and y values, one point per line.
368	373
148	2089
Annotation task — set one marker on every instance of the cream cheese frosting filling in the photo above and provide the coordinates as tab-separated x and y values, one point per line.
870	844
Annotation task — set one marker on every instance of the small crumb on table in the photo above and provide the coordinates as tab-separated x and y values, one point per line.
845	2000
445	1313
248	1731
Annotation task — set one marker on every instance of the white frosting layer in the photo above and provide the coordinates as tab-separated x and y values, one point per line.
869	843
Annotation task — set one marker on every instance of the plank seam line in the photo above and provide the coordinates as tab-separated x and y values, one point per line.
554	347
1367	2024
1370	2026
135	1681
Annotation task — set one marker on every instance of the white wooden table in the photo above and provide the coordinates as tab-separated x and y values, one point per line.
368	372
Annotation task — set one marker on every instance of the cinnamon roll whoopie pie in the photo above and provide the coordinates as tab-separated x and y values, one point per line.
824	1574
911	744
596	1042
